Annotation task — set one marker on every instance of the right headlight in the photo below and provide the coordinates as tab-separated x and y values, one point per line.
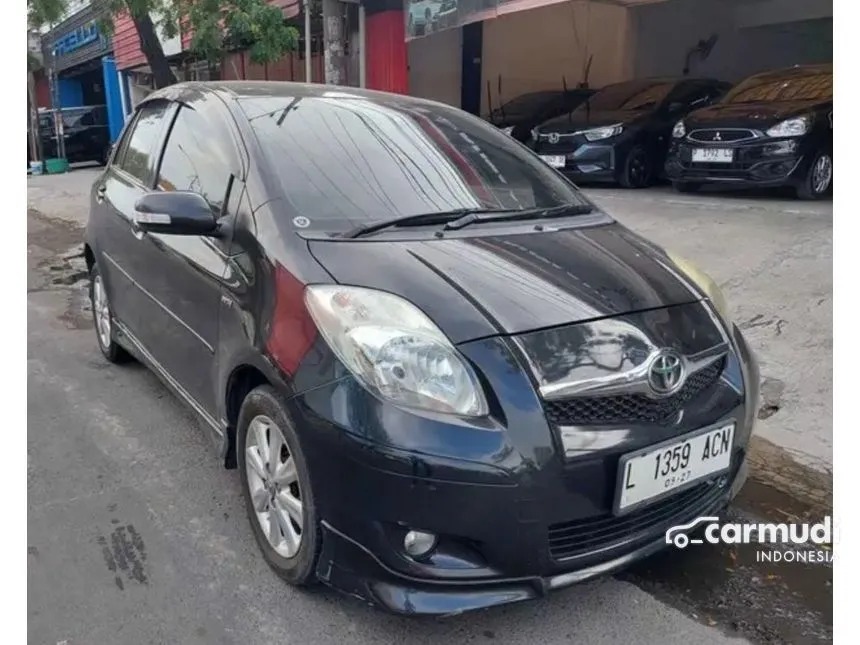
707	285
790	127
395	350
680	130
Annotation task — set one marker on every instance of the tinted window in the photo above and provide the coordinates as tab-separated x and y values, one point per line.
136	159
636	95
194	159
801	84
346	161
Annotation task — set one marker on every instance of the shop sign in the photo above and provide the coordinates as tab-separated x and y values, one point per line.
77	38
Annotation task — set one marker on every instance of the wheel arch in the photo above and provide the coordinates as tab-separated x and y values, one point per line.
242	379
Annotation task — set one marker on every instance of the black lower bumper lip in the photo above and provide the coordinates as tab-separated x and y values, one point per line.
351	568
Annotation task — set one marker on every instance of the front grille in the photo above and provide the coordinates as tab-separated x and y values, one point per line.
717	136
570	539
631	408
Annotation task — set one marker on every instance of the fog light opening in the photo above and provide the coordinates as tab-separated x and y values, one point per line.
419	544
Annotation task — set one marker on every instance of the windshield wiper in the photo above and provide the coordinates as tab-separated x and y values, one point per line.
462	217
421	219
516	215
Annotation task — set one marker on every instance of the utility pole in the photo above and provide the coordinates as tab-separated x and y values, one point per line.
333	40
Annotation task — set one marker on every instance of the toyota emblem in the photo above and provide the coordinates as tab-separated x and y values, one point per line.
553	137
666	373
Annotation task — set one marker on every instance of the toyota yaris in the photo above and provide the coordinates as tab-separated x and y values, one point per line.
447	379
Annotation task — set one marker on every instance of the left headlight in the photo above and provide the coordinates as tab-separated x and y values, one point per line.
395	350
680	130
597	134
706	284
790	127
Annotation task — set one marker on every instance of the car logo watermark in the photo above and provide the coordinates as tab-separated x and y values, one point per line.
786	542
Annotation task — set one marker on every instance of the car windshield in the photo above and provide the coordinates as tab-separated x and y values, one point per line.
344	161
636	95
526	103
801	84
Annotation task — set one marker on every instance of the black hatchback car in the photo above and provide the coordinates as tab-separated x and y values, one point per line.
447	379
621	134
773	129
519	116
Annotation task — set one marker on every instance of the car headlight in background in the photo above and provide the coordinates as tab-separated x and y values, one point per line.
706	284
790	127
598	134
508	130
395	350
680	130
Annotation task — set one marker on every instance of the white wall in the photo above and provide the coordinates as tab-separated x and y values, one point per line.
536	49
435	66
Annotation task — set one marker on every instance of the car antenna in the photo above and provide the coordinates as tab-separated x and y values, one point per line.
501	101
490	103
563	83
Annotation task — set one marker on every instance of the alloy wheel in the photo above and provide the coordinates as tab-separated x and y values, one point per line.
101	309
274	486
822	174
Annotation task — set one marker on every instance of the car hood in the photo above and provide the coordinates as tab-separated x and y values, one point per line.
475	287
748	115
581	119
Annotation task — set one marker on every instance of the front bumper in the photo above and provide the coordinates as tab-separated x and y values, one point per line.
771	162
520	508
352	568
585	161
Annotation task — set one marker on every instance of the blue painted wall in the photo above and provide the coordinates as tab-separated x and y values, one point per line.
113	98
70	92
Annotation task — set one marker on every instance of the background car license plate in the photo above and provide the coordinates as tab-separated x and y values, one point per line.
648	474
556	161
713	155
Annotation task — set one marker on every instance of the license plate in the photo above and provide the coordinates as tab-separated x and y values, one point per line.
654	472
713	155
556	161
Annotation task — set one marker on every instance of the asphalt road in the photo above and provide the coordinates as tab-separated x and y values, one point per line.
137	535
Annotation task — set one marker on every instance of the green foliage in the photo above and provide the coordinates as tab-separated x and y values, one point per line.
45	12
220	26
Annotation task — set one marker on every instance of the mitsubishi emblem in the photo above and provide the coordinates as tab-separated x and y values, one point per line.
718	137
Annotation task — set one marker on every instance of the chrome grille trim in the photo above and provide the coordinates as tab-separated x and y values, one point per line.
736	135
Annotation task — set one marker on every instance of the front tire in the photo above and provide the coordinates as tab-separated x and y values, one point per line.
277	488
818	182
638	171
103	320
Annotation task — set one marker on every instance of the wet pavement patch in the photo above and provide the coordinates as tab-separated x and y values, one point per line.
726	586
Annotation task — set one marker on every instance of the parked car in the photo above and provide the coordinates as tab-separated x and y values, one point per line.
519	116
448	379
420	16
773	129
85	131
622	133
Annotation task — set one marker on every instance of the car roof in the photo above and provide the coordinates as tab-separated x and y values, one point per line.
192	91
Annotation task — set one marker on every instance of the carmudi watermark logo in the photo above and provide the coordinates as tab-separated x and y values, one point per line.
787	542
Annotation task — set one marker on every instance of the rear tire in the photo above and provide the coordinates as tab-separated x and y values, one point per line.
686	186
638	171
818	182
276	487
103	320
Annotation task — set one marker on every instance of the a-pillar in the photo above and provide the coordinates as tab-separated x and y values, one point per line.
386	60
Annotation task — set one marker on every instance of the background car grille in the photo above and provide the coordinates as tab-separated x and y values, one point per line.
630	408
710	135
570	539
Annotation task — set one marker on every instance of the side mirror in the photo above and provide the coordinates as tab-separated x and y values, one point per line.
177	212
